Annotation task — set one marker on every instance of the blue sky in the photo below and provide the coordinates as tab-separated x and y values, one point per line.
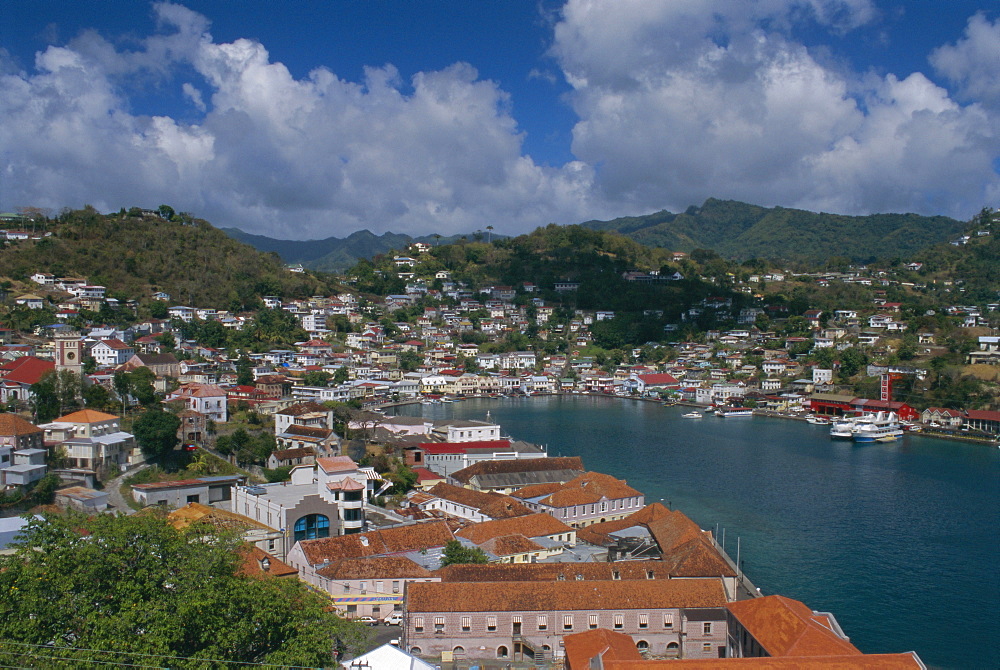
309	119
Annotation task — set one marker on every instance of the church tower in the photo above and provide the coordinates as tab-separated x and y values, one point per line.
69	352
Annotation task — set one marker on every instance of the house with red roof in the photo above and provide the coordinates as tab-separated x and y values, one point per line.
17	376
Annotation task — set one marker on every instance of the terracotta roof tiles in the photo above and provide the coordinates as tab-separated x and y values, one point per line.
786	627
531	525
569	596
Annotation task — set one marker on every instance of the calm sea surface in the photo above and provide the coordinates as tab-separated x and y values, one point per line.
898	540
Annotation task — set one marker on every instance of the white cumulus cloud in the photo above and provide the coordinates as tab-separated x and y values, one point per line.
681	100
677	101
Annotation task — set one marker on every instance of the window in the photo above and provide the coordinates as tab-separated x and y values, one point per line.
364	587
347	588
707	628
668	621
592	621
706	648
438	624
459	652
395	587
418	624
567	622
642	645
672	648
650	575
616	575
491	623
312	527
416	651
352	609
466	623
643	621
619	621
379	587
501	652
543	623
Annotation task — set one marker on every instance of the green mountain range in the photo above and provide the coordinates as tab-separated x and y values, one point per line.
740	231
336	254
733	229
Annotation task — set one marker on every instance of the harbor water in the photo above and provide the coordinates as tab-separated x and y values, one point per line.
899	540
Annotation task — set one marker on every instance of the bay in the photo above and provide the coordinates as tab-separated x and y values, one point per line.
899	541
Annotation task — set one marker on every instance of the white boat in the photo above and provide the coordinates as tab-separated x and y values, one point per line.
818	420
730	412
881	427
692	415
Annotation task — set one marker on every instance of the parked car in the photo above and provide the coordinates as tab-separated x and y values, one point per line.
367	620
393	619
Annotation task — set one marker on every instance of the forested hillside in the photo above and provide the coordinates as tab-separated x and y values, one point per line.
335	254
134	256
741	231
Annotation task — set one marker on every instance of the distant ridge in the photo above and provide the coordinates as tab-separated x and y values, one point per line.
335	254
741	231
733	229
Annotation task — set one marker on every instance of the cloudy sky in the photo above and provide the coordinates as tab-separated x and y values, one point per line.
309	119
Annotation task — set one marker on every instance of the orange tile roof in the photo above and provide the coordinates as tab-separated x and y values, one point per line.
251	565
570	596
539	572
609	645
196	512
394	540
12	424
904	661
530	525
510	545
786	627
337	464
86	416
590	487
493	505
376	567
599	533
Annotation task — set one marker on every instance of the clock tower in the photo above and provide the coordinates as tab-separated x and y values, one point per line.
69	352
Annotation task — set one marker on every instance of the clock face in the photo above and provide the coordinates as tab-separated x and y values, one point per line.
70	355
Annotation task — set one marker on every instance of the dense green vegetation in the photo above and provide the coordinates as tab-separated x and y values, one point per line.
741	231
135	256
121	590
335	254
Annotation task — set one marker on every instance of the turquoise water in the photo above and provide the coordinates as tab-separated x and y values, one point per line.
898	540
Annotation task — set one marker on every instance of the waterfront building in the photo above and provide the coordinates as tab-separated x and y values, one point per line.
466	503
446	458
508	476
523	621
588	498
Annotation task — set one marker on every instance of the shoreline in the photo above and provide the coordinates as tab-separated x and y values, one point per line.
954	436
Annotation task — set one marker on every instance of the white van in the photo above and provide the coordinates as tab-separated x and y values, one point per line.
394	619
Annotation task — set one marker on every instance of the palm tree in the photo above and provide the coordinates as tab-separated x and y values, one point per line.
489	234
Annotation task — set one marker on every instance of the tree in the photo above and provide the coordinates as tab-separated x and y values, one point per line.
455	553
156	432
409	360
316	378
138	586
96	396
45	397
244	371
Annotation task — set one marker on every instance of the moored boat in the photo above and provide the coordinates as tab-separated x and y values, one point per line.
730	412
692	415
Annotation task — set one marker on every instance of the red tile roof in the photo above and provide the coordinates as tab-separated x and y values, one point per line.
580	648
568	596
786	627
531	525
12	424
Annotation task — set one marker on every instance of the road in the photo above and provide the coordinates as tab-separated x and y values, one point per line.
116	501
